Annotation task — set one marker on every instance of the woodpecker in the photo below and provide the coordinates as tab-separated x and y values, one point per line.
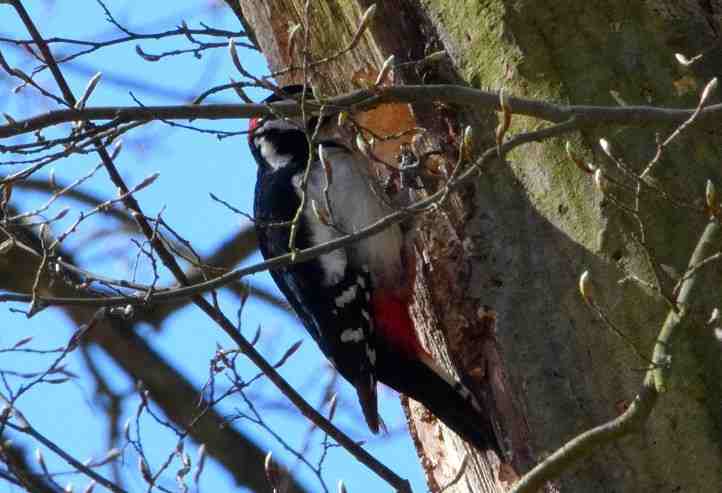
353	301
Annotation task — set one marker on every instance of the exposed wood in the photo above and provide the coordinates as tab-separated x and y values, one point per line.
401	30
499	264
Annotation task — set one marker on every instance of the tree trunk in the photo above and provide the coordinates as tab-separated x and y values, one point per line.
496	295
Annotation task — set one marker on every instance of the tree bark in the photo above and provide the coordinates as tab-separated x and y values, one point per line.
497	295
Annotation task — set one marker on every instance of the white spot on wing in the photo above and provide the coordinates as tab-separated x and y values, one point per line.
334	266
352	335
346	297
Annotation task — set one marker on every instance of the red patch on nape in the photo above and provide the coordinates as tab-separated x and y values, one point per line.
252	125
392	321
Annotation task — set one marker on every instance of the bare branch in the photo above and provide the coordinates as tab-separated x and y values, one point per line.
213	312
27	429
654	381
313	252
585	116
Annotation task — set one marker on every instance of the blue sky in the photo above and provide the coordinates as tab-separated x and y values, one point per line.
191	165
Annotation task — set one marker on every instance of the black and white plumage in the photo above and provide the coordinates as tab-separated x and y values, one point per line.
332	293
353	301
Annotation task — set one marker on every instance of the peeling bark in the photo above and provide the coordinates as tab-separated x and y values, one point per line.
496	297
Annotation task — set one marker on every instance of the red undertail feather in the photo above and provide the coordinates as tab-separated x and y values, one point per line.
409	369
394	325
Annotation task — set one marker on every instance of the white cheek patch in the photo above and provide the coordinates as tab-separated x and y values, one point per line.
352	335
269	154
346	297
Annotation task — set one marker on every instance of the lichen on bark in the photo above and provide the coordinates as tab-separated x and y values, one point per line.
518	238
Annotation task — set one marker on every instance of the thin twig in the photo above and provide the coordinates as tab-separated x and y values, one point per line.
26	429
654	382
216	315
308	253
585	116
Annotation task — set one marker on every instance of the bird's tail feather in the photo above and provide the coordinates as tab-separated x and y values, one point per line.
451	402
